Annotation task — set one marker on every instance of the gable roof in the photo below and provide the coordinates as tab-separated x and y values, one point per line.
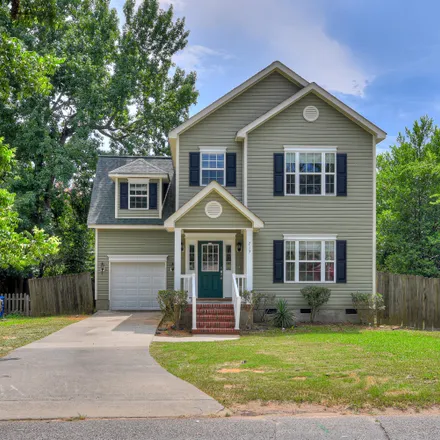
138	167
214	187
102	204
276	66
328	98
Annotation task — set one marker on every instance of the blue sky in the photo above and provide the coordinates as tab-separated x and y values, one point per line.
381	57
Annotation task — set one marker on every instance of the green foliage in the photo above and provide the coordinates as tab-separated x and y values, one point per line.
408	180
19	250
172	303
257	302
78	80
316	297
283	317
369	306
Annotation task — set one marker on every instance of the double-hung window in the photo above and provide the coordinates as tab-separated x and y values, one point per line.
138	193
212	165
309	260
309	171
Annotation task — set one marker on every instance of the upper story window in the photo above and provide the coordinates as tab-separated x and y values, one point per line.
138	195
212	165
310	172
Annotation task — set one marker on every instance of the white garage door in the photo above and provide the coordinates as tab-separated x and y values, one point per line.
134	286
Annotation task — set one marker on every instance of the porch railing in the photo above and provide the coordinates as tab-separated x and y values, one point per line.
238	286
189	285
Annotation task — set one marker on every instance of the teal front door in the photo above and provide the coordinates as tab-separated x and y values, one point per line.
210	269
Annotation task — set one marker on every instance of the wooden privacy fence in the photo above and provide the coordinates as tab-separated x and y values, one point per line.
61	295
410	300
17	303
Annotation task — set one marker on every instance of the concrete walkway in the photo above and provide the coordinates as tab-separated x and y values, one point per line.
99	367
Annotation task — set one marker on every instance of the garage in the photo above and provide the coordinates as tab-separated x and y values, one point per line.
134	283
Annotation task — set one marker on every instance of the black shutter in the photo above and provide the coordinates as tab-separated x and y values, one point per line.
341	261
194	169
278	174
278	261
153	196
164	191
231	169
341	174
123	195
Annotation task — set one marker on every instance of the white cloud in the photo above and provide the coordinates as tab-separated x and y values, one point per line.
202	59
292	31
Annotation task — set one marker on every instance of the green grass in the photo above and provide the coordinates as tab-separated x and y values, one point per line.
328	365
16	331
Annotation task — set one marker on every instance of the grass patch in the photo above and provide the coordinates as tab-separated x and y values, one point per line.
17	331
327	365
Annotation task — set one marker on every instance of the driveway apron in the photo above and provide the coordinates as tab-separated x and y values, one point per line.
98	367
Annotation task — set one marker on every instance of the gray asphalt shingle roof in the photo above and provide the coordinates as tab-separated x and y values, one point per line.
139	166
102	205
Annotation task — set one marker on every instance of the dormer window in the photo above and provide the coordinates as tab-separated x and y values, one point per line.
138	195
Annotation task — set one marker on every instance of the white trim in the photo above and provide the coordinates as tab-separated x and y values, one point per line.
310	237
218	150
98	226
139	176
245	170
139	182
213	186
315	116
210	235
217	205
137	258
117	202
248	238
374	287
327	97
177	258
276	66
160	197
96	264
177	173
310	149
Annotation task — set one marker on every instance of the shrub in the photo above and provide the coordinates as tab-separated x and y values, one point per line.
316	297
283	317
258	302
369	306
171	303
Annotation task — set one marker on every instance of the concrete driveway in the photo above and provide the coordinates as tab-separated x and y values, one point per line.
99	367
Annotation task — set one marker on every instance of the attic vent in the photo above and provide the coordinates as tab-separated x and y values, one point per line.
213	209
311	113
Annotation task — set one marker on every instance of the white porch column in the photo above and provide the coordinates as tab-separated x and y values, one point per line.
248	257
177	257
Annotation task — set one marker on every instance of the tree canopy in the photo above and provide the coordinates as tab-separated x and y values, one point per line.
101	87
408	217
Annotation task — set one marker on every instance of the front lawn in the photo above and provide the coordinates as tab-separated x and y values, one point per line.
18	331
326	365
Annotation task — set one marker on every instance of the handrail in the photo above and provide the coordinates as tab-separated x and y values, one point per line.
189	285
238	286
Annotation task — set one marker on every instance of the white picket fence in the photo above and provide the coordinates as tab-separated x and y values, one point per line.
17	303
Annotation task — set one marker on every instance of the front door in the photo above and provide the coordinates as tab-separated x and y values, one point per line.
210	269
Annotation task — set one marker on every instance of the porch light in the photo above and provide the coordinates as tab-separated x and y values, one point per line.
239	247
102	267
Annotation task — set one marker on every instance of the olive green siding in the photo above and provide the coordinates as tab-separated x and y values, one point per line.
219	128
140	213
131	242
197	218
351	217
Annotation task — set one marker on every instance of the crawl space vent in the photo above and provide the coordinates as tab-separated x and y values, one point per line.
311	113
213	209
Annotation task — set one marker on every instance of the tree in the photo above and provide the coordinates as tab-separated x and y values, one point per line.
23	250
408	220
115	86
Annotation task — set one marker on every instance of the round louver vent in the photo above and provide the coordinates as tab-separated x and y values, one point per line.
311	113
213	209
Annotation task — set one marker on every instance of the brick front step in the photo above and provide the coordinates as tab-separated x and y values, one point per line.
216	331
215	306
211	324
215	318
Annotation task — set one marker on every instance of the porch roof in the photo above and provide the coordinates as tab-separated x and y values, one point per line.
214	188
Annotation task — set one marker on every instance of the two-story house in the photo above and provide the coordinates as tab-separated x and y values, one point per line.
271	188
